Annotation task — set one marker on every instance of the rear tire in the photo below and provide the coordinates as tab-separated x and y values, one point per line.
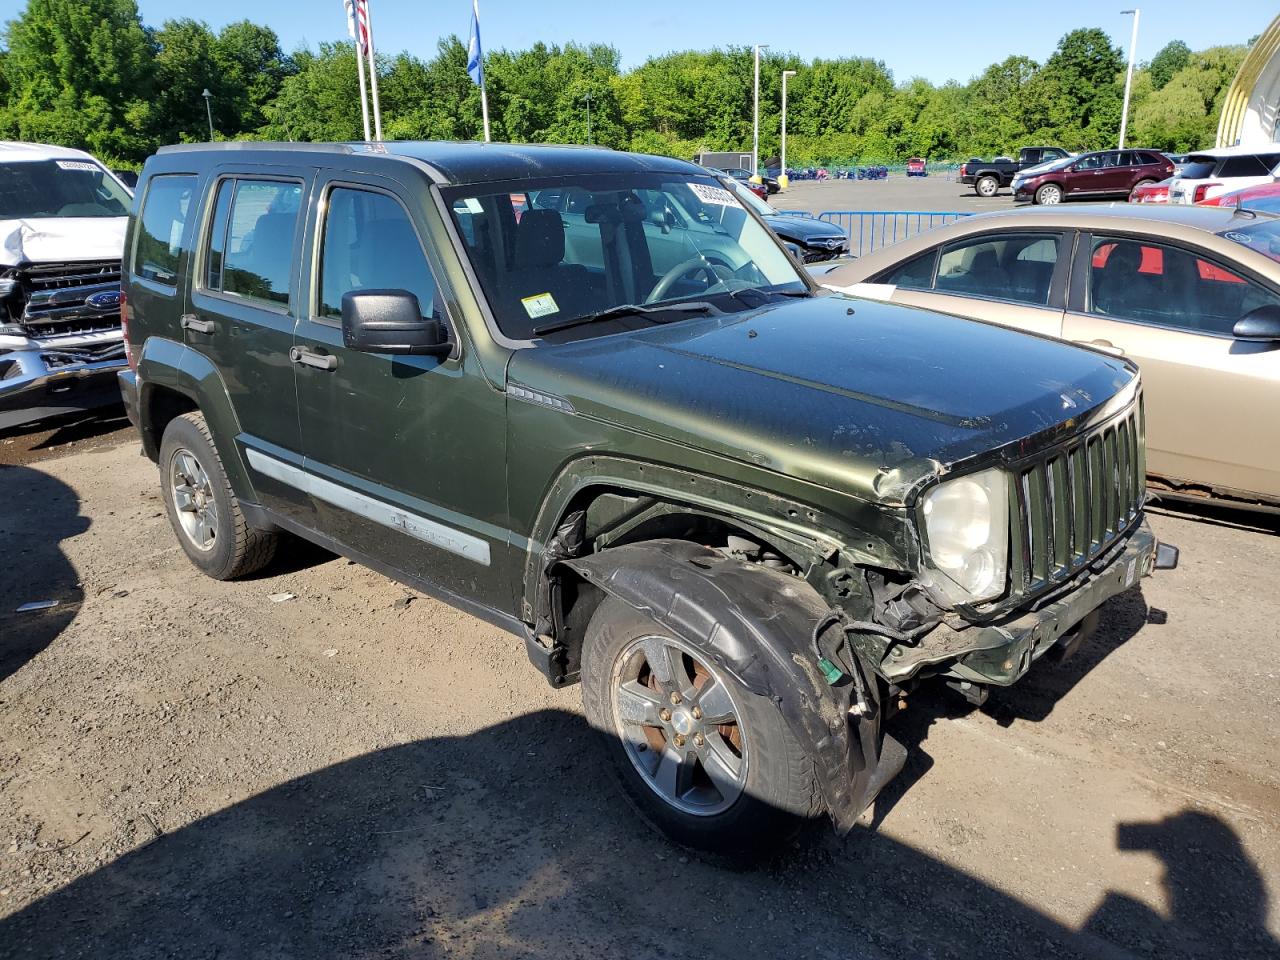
987	186
743	790
202	508
1049	194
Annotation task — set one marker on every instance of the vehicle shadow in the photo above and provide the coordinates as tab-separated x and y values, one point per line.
39	513
503	843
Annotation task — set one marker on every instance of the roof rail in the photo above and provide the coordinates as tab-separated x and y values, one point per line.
231	145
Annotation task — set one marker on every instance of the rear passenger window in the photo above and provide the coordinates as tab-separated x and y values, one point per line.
1017	267
160	226
370	244
251	239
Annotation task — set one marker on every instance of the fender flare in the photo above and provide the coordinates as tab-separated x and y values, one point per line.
757	624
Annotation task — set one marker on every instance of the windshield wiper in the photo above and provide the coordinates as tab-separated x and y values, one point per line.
625	310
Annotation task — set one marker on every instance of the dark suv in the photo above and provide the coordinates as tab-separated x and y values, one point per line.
747	514
1092	176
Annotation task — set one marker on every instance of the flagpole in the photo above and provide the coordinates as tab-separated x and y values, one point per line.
484	107
353	30
373	76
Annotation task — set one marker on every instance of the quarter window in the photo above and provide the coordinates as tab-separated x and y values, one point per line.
369	244
1168	286
251	241
1017	267
915	274
161	225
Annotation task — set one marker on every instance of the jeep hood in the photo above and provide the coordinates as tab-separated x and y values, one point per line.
866	397
61	239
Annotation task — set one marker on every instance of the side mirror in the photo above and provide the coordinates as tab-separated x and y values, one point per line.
391	321
1259	326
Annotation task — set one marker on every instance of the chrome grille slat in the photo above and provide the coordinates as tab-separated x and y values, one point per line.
1074	501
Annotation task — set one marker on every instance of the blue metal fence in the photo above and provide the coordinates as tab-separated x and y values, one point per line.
872	229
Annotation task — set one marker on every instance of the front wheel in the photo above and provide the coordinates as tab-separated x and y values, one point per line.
1049	194
987	186
706	762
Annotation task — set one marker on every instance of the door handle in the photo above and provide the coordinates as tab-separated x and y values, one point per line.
309	358
193	323
1106	346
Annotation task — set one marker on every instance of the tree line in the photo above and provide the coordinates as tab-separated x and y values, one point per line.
91	74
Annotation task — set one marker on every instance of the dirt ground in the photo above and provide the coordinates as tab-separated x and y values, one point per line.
193	769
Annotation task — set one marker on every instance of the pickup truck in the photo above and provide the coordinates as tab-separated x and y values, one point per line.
988	176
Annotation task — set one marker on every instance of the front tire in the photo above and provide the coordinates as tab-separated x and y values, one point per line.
987	186
703	760
202	508
1049	194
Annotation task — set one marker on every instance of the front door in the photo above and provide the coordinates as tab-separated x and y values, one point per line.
405	455
242	310
1208	396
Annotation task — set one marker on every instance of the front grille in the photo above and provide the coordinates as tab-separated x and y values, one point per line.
1076	500
56	297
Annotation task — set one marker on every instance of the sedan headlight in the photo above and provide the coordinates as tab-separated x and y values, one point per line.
967	527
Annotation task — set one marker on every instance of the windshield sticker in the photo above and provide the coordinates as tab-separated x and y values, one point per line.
540	305
473	205
78	165
1239	237
717	195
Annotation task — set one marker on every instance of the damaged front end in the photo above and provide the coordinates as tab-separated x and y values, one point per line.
60	338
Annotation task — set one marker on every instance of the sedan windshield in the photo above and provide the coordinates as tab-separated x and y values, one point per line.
33	190
550	252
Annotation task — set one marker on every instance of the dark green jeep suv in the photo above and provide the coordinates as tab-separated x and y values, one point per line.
588	397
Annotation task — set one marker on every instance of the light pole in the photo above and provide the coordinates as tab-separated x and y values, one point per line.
587	99
1128	80
783	180
208	110
755	134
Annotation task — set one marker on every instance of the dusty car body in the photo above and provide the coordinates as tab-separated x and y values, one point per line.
62	222
1185	292
736	508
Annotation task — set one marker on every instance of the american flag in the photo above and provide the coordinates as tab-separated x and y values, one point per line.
358	23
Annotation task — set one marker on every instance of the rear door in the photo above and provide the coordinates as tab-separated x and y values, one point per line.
243	307
1014	279
405	455
1171	309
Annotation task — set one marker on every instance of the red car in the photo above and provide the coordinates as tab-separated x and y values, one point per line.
1092	176
1151	193
1262	196
916	168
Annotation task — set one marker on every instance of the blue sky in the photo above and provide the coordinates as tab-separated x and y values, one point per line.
936	39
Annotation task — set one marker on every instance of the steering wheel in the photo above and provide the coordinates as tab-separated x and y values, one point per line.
715	270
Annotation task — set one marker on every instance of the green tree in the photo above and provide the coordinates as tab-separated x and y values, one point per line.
251	68
1173	56
321	101
79	74
185	65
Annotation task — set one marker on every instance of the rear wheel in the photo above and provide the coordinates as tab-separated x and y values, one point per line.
202	508
987	186
1049	194
706	762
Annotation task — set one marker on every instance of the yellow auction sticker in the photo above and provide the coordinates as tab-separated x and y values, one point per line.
539	305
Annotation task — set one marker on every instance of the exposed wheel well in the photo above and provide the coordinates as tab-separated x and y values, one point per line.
161	406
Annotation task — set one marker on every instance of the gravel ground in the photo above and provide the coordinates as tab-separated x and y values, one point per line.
193	769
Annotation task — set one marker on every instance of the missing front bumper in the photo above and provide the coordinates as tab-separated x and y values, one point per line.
1001	653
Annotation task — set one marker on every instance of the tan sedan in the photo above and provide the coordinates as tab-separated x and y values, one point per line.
1192	294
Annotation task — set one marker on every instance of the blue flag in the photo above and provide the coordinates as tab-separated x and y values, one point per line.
475	57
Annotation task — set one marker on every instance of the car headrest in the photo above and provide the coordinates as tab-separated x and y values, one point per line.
539	239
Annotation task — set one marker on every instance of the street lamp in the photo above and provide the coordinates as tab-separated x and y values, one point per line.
208	110
783	180
1128	80
587	99
755	134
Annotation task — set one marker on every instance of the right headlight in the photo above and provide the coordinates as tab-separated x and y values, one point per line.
967	528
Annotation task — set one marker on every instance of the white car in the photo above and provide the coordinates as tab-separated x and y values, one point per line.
1210	173
62	222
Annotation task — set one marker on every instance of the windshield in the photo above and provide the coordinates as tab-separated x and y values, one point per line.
32	190
548	252
1263	236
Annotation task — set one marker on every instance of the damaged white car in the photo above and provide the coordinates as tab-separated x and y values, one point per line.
62	222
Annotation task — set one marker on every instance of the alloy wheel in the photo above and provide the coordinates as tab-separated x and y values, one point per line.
193	498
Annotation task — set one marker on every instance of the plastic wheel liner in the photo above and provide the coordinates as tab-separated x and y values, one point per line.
757	624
